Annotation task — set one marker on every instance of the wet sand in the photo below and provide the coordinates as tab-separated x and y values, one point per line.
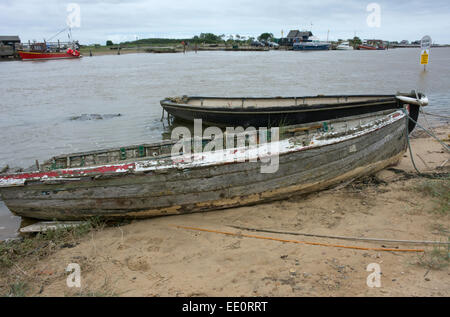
154	258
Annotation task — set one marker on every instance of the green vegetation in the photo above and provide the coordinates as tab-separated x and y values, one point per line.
439	190
207	38
109	43
436	259
17	289
355	41
265	37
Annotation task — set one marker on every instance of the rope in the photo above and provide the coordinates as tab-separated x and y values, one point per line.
446	147
341	238
296	241
409	144
57	34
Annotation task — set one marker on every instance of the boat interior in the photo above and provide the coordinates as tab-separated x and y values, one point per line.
302	133
245	103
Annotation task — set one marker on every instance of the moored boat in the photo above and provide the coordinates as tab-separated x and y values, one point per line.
344	46
372	45
275	111
49	51
26	56
366	47
312	44
146	181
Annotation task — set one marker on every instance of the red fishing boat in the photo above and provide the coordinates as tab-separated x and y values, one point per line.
46	51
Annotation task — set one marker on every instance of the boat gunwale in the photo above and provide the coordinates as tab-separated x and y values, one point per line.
272	110
288	97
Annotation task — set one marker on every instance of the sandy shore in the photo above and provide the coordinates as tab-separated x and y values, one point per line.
154	258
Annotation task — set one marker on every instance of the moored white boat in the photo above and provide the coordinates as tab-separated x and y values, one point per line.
344	46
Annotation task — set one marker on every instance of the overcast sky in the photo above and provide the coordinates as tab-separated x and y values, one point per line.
116	20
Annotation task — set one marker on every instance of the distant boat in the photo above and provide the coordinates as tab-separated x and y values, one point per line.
312	44
344	46
46	51
375	45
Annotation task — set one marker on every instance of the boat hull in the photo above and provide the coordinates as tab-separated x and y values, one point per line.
28	56
204	188
370	48
321	47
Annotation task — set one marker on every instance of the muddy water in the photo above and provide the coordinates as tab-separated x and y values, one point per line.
51	107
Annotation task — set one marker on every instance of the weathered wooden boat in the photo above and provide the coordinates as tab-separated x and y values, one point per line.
267	112
146	180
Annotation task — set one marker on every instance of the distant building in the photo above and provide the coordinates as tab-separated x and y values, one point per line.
9	40
8	45
295	36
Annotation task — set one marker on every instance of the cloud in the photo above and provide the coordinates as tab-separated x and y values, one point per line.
124	20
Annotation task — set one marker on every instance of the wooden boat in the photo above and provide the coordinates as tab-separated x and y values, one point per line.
146	181
267	112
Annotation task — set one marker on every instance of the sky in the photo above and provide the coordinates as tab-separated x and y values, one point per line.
102	20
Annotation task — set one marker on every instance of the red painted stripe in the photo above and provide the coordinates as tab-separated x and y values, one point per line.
70	172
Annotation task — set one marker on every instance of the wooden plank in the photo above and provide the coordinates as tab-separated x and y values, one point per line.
51	225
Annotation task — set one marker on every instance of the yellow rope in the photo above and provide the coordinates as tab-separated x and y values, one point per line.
296	241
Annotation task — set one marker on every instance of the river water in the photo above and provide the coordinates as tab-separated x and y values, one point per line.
38	100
